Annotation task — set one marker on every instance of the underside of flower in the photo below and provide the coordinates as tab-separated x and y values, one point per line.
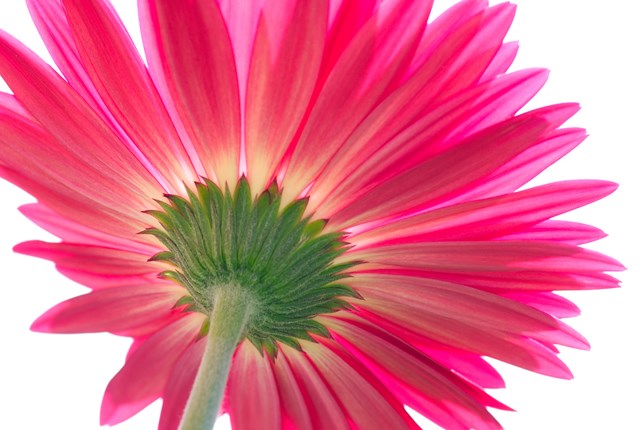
280	261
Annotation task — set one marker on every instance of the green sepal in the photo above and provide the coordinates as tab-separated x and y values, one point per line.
279	256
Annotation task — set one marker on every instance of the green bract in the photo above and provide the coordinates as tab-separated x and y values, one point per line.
283	261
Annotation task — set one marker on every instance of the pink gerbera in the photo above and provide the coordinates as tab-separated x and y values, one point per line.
329	196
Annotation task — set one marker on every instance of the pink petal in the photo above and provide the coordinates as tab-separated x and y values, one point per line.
127	89
56	171
324	410
277	71
49	18
501	62
190	54
490	218
440	95
257	407
112	309
73	232
144	375
440	304
470	366
241	17
295	412
501	281
433	181
561	231
520	351
364	398
178	387
376	56
417	381
95	266
489	256
546	302
525	166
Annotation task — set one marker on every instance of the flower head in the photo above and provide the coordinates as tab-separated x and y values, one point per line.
321	201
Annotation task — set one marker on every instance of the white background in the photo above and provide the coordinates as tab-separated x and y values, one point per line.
591	47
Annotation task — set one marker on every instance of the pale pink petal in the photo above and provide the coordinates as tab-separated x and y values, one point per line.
415	379
95	266
295	412
190	53
252	394
324	409
126	88
489	218
74	232
286	60
144	375
443	25
178	387
112	309
365	399
501	281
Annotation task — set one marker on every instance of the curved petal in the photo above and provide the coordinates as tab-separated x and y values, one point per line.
417	381
489	218
325	411
258	407
286	60
364	398
73	232
144	375
368	67
190	54
401	132
75	165
95	266
446	303
487	256
112	309
178	387
126	88
295	409
433	181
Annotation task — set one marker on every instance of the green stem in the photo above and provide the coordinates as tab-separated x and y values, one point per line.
232	308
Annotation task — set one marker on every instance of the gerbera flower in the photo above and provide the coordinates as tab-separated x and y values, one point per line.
329	196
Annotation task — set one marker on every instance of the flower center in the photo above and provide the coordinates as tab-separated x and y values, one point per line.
280	260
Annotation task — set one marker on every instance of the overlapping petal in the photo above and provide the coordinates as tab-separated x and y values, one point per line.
407	134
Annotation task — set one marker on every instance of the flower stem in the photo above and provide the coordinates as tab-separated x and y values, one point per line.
232	307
